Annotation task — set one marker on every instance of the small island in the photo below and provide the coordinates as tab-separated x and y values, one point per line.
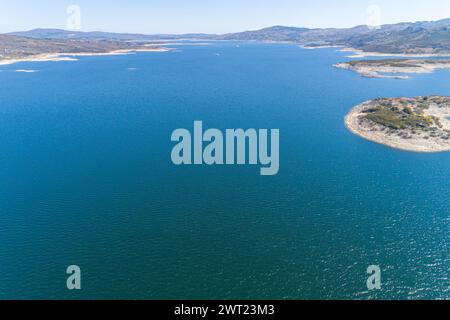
393	68
420	124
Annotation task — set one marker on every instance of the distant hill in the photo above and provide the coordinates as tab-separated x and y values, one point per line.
13	47
416	37
106	36
277	33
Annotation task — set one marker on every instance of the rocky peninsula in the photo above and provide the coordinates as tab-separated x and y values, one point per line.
418	124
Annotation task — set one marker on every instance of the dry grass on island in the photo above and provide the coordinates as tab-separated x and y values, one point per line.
418	124
391	68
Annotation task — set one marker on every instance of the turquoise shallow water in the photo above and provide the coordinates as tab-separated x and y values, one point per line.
86	179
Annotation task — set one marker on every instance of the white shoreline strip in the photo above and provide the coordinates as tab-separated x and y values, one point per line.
69	56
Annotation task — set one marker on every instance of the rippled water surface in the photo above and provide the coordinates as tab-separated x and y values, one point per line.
86	179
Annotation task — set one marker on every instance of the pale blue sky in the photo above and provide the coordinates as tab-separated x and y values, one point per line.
211	16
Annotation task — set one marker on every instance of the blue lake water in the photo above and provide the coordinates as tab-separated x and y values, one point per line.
86	179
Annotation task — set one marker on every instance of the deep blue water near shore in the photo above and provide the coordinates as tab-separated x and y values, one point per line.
86	179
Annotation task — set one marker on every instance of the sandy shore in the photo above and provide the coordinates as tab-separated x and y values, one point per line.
415	142
319	47
71	56
391	69
356	53
371	72
362	54
38	58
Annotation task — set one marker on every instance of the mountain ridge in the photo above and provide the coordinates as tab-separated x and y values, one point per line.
422	37
42	33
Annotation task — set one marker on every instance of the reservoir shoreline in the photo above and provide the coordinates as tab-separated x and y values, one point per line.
70	56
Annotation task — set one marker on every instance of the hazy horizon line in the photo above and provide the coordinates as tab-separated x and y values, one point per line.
206	33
